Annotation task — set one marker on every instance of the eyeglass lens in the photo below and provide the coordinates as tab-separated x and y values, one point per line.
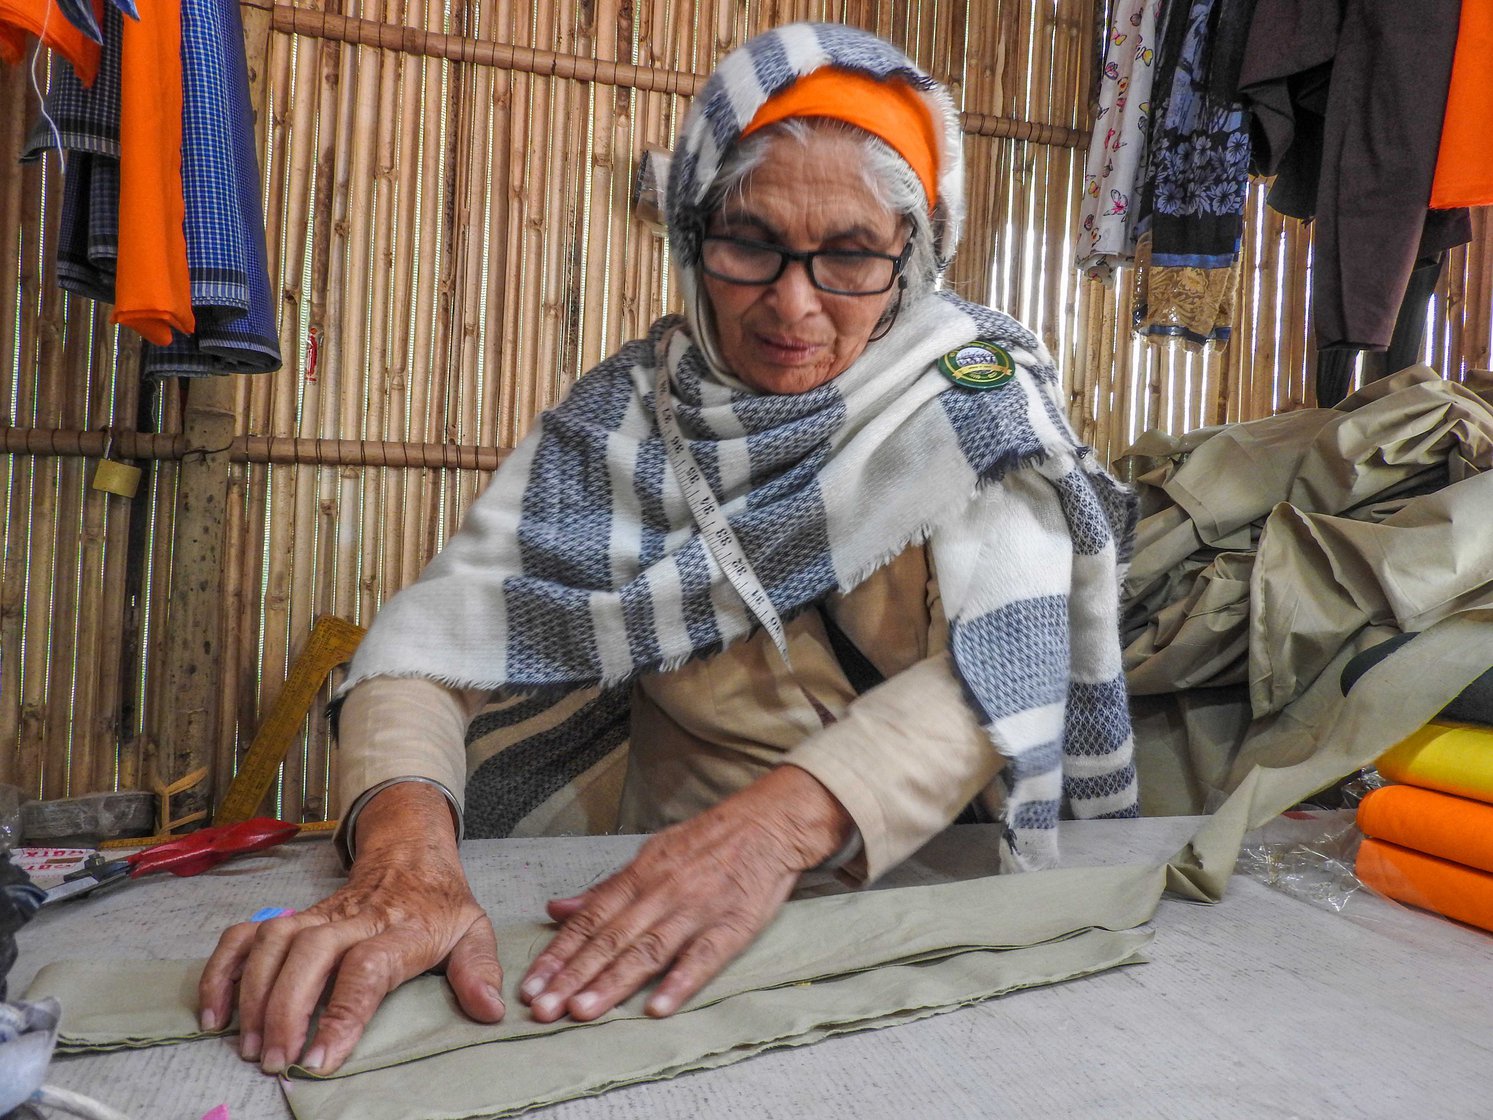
845	272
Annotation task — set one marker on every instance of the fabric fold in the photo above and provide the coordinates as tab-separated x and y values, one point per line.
1448	758
1435	824
1427	883
152	290
1464	163
1121	133
224	220
46	20
1014	917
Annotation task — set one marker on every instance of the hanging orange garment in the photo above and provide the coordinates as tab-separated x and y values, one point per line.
19	18
1427	882
1464	165
152	290
1436	824
12	44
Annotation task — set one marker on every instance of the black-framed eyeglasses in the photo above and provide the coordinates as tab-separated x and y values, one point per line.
841	272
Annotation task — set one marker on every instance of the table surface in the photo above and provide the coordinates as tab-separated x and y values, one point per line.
1263	1005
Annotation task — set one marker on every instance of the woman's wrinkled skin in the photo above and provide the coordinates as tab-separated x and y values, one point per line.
697	893
789	337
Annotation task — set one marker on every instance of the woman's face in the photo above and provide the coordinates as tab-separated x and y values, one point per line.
788	336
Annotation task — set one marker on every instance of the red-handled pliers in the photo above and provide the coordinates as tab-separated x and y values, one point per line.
191	855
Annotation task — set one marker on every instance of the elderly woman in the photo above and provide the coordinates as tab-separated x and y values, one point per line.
829	527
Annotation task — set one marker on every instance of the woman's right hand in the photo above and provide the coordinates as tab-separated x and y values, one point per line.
406	909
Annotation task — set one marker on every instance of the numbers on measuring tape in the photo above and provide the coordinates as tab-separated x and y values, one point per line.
719	537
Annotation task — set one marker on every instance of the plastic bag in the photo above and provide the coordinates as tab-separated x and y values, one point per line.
1308	854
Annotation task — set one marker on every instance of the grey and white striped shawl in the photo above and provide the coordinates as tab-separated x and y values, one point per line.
582	565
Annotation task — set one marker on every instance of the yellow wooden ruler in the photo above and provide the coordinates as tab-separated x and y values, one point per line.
332	643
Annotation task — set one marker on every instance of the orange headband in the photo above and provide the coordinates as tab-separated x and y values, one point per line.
891	110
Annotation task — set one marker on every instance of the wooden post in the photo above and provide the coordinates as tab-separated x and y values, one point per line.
193	636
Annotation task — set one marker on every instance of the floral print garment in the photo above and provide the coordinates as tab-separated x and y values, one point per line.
1121	132
1195	183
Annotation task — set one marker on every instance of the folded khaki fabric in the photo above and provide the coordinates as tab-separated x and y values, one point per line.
124	1004
826	966
500	1080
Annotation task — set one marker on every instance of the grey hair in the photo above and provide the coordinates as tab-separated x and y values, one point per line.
892	182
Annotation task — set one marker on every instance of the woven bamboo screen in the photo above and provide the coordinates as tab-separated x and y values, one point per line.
447	203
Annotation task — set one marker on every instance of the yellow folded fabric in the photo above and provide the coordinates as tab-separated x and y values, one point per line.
1429	883
1448	757
1438	824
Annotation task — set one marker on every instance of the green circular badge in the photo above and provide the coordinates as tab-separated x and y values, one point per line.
978	365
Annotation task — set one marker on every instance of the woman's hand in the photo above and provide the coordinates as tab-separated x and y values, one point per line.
694	897
406	908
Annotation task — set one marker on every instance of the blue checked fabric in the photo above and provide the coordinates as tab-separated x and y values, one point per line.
86	119
581	564
226	258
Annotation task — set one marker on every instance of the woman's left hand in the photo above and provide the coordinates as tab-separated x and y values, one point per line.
694	897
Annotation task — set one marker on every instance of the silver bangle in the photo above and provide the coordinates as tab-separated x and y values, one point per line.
848	851
350	818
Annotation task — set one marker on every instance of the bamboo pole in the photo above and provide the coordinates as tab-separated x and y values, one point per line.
154	619
107	728
402	313
515	322
1297	308
1059	214
276	155
352	383
495	227
285	530
71	358
428	260
279	450
594	248
13	91
1479	346
643	282
16	215
434	485
551	64
93	559
1265	389
1112	405
469	182
1454	311
42	319
194	641
318	395
231	675
381	319
560	231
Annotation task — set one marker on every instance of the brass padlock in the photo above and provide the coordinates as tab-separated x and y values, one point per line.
114	477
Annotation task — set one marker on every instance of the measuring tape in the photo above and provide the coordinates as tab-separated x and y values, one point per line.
720	538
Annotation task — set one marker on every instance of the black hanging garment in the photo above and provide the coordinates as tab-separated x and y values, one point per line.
1348	99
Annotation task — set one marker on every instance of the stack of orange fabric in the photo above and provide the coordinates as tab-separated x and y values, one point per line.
1429	838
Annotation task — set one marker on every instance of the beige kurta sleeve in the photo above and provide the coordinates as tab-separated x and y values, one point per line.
904	760
402	727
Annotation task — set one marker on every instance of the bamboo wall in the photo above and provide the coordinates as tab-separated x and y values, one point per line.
447	208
